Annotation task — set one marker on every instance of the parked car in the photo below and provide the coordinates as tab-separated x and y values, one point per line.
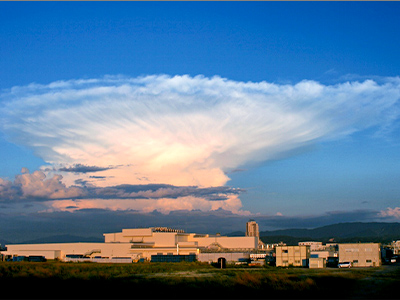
345	264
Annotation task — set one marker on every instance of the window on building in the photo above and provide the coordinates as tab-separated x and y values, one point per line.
369	261
355	261
285	251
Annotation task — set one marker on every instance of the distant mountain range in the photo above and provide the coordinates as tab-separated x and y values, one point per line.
65	238
3	243
341	232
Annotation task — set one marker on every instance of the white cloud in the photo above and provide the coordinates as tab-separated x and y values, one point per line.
36	187
163	205
391	212
181	130
55	196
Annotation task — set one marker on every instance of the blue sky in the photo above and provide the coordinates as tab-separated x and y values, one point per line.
346	162
45	42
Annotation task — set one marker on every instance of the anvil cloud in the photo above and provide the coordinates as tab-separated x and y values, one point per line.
180	131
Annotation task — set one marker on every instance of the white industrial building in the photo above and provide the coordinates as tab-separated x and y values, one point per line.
138	243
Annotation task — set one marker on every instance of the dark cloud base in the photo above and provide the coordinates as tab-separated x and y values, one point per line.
80	168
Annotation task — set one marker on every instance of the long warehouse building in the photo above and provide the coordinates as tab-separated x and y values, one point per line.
135	244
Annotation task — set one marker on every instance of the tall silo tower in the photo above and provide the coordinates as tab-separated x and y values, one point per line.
252	228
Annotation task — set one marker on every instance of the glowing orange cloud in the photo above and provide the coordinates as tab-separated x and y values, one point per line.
181	130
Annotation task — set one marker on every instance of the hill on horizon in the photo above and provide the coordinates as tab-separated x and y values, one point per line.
64	238
341	232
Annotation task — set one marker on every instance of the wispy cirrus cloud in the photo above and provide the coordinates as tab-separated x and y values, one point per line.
182	131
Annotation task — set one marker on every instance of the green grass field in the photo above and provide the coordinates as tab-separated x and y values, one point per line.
192	280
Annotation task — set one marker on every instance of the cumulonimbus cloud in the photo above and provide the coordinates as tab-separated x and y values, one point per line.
53	193
37	187
182	130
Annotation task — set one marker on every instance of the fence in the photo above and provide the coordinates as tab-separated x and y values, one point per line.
114	260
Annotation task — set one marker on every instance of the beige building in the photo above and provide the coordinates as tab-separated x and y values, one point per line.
64	250
324	253
228	256
361	254
137	243
316	263
296	256
314	246
396	247
252	228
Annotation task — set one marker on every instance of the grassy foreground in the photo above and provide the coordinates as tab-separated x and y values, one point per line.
192	280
